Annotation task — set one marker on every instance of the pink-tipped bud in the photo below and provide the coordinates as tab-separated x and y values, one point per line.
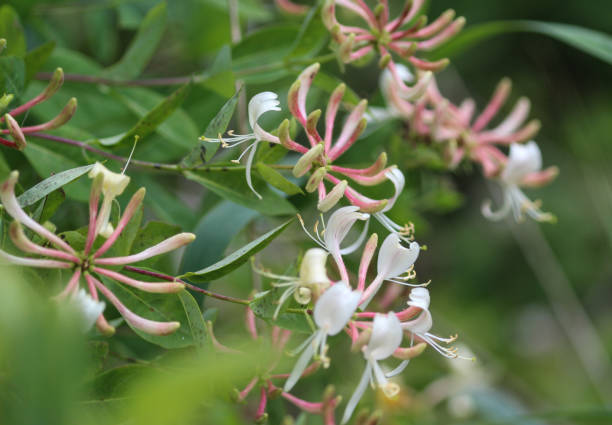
316	178
15	132
429	66
311	125
540	178
299	90
56	81
346	47
384	61
62	118
332	198
361	341
104	327
305	162
328	14
410	352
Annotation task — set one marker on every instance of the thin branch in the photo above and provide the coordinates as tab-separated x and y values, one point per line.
188	285
177	168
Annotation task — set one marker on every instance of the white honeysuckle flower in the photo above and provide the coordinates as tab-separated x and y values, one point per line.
113	185
312	279
523	160
396	177
386	337
332	312
258	105
87	307
394	260
333	233
422	324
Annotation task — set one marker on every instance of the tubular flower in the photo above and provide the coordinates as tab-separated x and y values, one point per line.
523	168
258	105
331	313
333	234
90	264
320	157
312	279
420	326
113	185
18	133
405	35
385	338
393	261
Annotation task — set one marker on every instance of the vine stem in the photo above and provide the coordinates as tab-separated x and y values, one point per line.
188	285
177	168
176	81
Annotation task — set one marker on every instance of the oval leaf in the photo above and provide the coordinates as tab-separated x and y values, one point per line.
277	180
236	259
45	187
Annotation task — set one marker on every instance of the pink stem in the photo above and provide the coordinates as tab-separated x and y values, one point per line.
72	285
306	406
250	323
263	401
247	390
496	102
152	287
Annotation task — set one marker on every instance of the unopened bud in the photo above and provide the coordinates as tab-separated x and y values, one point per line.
362	340
332	197
15	132
64	116
312	268
384	61
410	352
262	419
57	80
305	162
346	48
5	100
284	135
312	120
315	179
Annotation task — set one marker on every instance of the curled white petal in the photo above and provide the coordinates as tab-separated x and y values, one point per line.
524	159
386	336
335	307
394	259
87	307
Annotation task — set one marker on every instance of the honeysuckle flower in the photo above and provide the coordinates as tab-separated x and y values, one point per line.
422	324
258	105
523	168
312	279
18	133
385	338
394	260
89	308
335	231
324	150
331	313
113	185
396	177
390	35
89	264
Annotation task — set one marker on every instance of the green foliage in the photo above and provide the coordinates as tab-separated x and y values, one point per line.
236	259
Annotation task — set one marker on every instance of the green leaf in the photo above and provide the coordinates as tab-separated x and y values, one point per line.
220	78
195	319
12	75
142	46
12	31
265	304
113	383
217	126
152	119
47	162
311	38
51	204
159	307
230	184
236	259
45	187
214	232
36	58
277	180
257	57
593	42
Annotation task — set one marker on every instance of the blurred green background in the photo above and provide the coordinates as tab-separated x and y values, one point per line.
531	302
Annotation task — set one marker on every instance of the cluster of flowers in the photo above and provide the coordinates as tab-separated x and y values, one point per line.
17	132
89	263
340	306
462	135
